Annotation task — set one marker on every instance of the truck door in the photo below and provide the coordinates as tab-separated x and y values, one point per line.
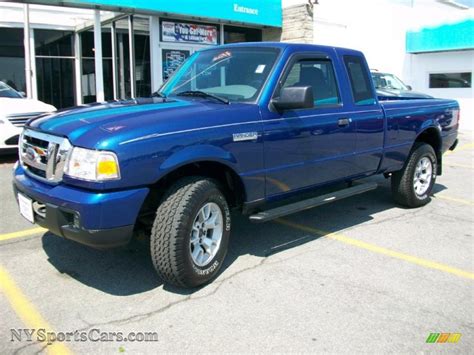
367	115
308	147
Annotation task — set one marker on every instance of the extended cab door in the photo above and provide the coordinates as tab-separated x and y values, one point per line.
306	147
366	114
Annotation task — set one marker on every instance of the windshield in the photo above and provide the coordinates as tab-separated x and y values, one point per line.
6	91
388	81
234	74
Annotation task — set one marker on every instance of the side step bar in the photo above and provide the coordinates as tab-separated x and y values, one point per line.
312	202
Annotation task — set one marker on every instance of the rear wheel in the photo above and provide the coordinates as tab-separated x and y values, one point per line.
412	185
190	233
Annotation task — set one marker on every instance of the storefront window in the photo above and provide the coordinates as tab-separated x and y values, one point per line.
12	58
55	80
88	65
107	62
55	67
233	34
54	43
123	59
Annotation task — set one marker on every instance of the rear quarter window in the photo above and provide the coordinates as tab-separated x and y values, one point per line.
359	79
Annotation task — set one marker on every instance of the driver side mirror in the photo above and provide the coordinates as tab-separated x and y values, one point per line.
22	93
409	88
296	97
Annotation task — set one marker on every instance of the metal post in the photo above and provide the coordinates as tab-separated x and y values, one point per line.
121	56
222	34
155	55
34	83
26	44
78	67
113	35
131	39
99	73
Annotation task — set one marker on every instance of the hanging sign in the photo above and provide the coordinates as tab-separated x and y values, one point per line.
189	33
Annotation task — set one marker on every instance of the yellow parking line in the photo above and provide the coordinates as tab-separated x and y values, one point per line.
455	199
26	311
461	148
380	250
23	233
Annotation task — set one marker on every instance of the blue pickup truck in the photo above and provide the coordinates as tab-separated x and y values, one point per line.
251	127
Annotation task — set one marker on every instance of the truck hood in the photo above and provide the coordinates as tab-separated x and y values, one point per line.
13	106
105	125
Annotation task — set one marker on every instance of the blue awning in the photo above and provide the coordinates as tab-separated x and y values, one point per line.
258	12
447	37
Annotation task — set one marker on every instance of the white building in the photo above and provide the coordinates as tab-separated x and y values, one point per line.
429	44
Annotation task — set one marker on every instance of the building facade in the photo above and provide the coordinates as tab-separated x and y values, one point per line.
88	51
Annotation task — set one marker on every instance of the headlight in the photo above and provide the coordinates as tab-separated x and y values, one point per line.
92	165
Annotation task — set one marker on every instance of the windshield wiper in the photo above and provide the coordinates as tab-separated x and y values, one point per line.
203	94
159	94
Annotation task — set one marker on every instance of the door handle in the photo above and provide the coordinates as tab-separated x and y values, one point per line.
342	122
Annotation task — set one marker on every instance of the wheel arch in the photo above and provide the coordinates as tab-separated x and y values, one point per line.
431	135
222	171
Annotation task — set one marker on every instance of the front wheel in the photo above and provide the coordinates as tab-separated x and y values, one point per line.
412	186
190	233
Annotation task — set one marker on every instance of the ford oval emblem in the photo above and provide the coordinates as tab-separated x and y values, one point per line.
30	154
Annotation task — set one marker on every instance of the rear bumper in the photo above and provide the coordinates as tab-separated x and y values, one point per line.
455	144
101	220
449	141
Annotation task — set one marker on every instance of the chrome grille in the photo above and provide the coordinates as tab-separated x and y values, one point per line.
20	119
43	155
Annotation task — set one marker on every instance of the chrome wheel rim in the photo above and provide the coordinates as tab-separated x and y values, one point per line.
206	234
423	176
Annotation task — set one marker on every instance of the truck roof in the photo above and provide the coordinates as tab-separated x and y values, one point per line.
294	47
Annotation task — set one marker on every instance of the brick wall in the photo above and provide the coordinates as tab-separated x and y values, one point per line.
297	26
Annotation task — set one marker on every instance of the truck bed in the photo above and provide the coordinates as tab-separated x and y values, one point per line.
405	119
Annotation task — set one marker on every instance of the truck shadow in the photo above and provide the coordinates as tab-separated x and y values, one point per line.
130	271
120	272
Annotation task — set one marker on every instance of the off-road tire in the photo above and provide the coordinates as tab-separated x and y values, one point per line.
171	232
402	181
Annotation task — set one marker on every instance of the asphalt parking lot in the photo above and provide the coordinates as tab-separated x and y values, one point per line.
359	275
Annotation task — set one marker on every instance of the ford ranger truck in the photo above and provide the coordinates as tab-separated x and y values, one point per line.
253	127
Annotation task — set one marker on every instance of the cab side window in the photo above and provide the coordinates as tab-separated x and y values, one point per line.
319	74
359	78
